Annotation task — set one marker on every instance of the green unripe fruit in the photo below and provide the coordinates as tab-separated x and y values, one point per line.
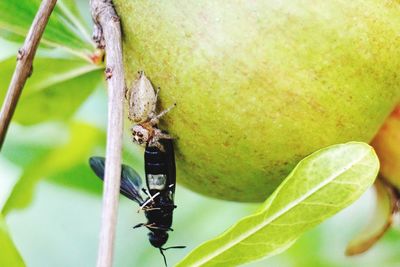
261	84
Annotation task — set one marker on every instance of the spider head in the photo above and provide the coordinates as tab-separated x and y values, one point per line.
140	134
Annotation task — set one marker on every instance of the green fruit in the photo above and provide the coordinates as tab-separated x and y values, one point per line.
261	84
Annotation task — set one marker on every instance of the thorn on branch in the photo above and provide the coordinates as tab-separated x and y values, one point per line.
21	54
109	73
115	18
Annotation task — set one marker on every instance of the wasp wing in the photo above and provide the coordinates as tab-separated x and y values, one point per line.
131	183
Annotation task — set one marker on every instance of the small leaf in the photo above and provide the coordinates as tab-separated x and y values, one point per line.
55	91
9	253
72	11
319	186
380	221
16	18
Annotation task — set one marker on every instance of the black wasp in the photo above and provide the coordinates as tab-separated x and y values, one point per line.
160	179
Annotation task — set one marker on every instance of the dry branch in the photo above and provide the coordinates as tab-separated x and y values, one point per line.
24	65
107	34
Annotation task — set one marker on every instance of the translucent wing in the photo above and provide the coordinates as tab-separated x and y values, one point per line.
131	183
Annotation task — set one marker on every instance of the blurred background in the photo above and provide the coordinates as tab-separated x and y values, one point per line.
50	199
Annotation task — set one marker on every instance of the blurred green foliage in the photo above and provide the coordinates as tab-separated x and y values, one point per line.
51	199
9	254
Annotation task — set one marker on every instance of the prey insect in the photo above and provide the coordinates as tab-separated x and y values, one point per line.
142	102
160	180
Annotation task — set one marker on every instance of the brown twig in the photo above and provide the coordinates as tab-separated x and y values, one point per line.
107	34
24	65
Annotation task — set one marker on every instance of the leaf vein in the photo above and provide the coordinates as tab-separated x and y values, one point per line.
273	217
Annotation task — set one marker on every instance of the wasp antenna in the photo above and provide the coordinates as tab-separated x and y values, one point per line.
173	247
162	253
165	259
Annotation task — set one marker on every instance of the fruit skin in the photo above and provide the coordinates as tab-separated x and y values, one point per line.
387	146
261	84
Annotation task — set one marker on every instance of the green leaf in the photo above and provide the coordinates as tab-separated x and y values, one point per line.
72	11
25	144
82	178
55	91
65	28
9	253
83	137
78	177
319	186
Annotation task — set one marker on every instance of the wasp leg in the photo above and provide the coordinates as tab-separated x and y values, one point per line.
147	209
145	191
151	199
153	226
139	225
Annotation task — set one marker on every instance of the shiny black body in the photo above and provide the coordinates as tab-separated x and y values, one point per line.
160	181
161	162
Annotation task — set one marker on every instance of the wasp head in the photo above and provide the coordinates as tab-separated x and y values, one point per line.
158	239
